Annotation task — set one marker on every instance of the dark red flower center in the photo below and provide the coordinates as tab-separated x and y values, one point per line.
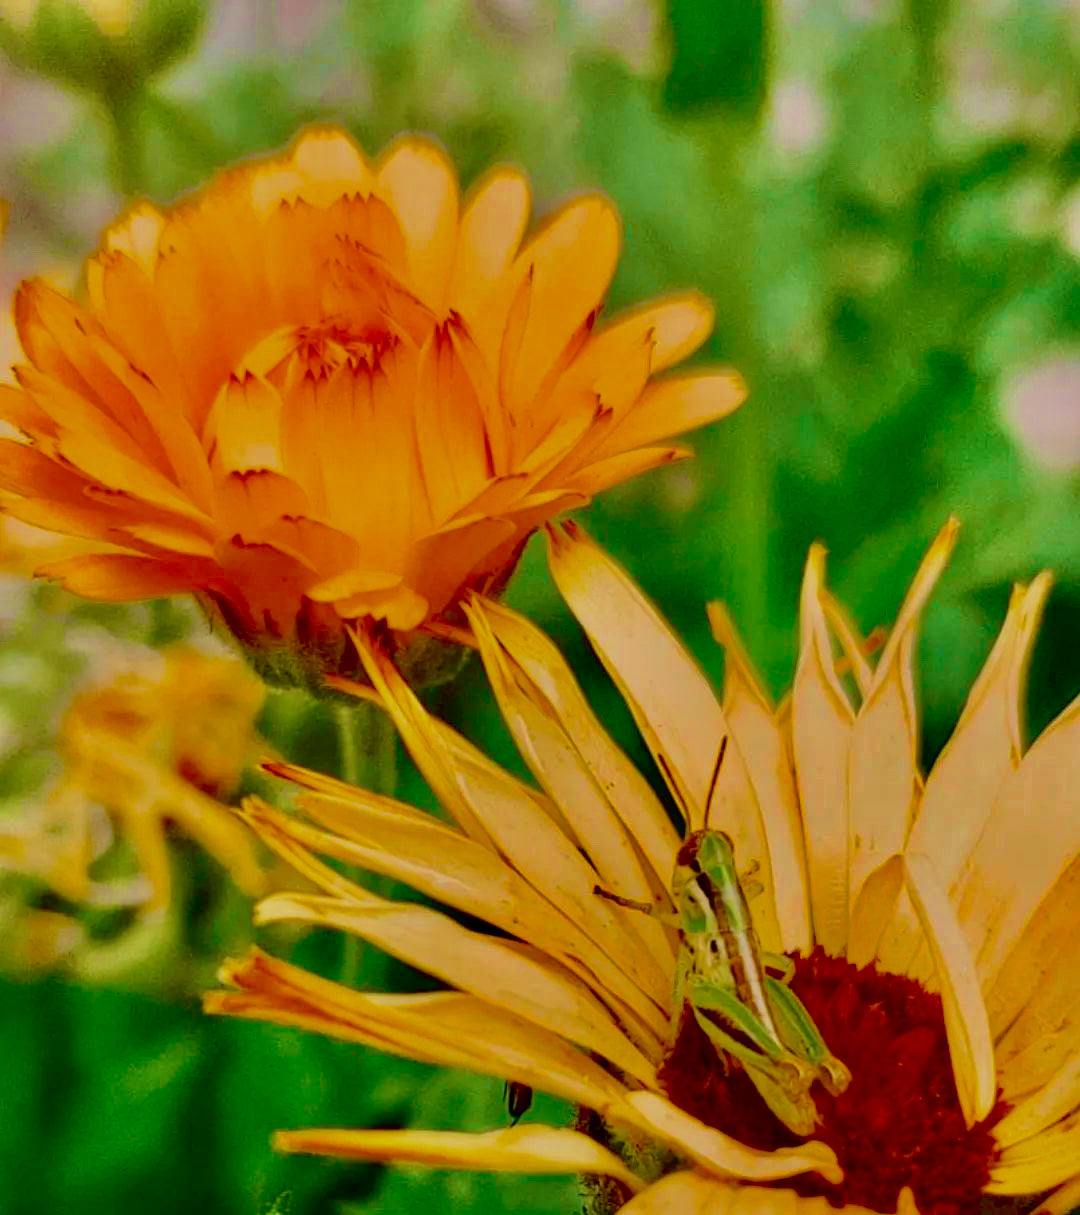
898	1123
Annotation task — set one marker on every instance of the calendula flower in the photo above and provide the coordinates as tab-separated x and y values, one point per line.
155	746
931	921
325	390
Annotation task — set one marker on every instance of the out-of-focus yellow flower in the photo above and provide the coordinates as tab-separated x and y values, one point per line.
325	389
33	939
932	921
111	16
151	748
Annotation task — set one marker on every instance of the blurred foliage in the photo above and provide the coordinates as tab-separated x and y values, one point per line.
881	197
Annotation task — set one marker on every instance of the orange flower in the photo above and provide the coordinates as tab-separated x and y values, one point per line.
324	390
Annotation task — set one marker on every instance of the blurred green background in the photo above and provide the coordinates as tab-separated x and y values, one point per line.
881	197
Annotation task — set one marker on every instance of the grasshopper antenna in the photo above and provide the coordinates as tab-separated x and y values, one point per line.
714	778
672	784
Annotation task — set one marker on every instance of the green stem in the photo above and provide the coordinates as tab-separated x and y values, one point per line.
194	138
367	758
122	107
367	746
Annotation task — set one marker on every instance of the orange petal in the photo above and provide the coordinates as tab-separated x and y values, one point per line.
492	225
243	431
675	406
570	262
119	577
418	181
677	325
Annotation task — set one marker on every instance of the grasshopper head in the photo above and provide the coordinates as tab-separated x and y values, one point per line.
706	851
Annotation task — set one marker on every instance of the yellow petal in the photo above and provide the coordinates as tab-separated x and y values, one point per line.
450	1029
722	1155
1031	838
971	1047
673	705
821	728
694	1193
1034	1000
1047	1160
1063	1200
553	739
319	782
852	643
1043	1108
986	744
883	775
874	904
765	748
434	860
684	1193
505	976
414	726
629	794
984	748
517	1149
498	809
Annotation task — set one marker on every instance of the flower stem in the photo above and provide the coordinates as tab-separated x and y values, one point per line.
367	757
122	108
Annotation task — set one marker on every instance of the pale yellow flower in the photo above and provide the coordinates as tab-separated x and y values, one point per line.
111	16
157	745
932	918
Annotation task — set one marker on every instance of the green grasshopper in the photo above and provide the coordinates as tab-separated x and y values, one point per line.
739	995
747	1012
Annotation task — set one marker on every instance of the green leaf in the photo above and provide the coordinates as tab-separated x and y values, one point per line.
720	55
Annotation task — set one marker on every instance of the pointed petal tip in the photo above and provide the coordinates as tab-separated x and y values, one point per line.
944	542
